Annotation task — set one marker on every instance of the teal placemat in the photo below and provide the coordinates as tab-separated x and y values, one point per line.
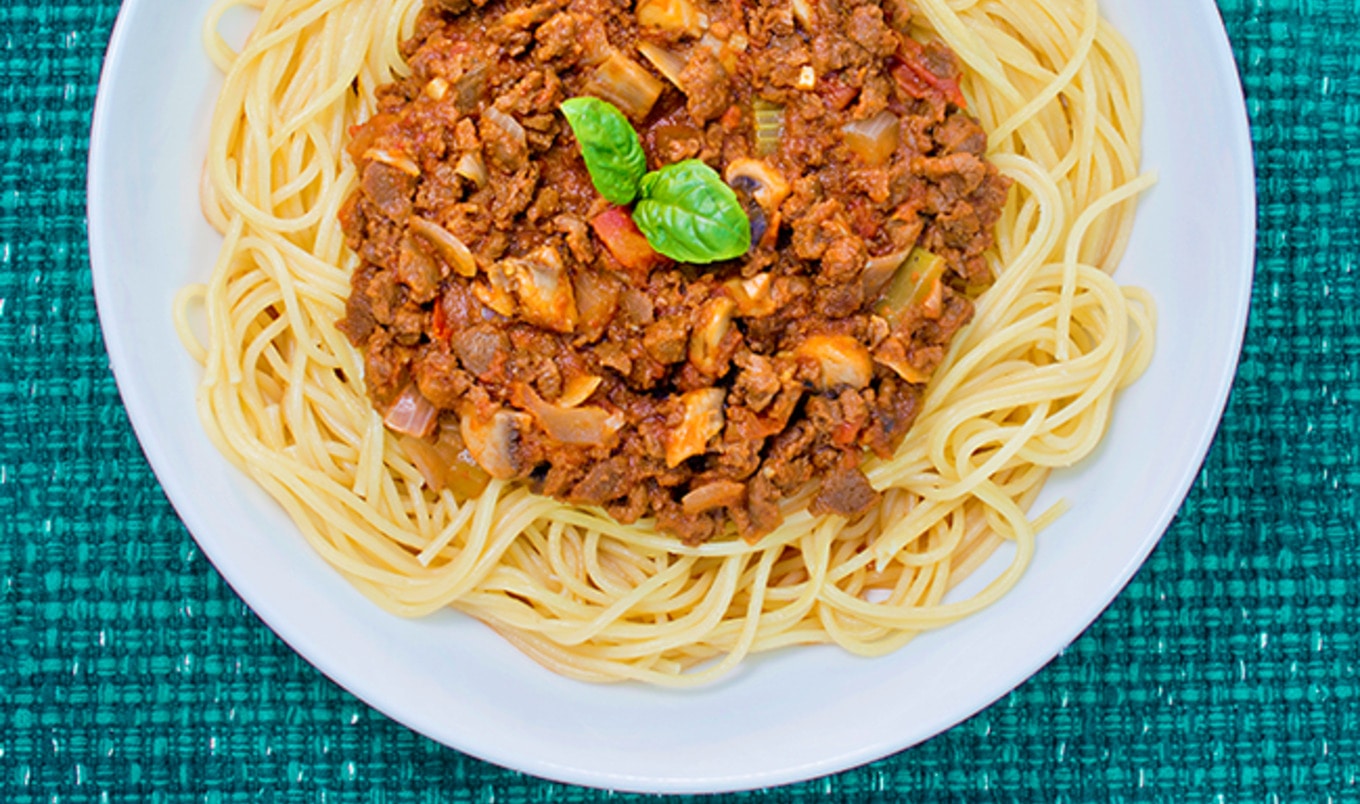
1227	670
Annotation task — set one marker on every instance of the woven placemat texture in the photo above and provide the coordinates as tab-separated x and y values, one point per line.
1227	670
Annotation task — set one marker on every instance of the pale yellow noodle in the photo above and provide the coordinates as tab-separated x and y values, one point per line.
1026	388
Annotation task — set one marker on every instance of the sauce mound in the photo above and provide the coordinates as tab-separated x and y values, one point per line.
515	324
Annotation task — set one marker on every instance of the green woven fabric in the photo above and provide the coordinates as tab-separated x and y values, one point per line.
1227	671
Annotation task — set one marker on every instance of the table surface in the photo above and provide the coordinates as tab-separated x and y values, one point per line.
1225	671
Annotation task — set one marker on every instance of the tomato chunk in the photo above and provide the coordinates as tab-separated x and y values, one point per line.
626	242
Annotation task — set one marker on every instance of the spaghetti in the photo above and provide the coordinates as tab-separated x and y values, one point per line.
1026	388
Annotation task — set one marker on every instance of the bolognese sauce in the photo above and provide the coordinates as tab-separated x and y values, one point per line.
516	324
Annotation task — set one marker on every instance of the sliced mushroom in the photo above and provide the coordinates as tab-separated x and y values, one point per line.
701	419
543	289
705	341
752	295
841	360
495	443
760	180
762	189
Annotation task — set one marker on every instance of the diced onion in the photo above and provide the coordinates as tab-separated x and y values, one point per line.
446	465
578	389
588	426
411	414
879	270
437	88
875	138
471	167
669	15
752	296
666	62
399	161
453	250
718	494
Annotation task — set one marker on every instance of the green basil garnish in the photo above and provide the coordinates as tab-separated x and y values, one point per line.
688	214
684	210
609	145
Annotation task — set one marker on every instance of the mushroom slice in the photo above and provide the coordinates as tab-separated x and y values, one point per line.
711	326
701	419
543	288
760	180
494	443
841	360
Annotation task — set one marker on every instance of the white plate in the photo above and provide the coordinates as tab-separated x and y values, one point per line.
787	717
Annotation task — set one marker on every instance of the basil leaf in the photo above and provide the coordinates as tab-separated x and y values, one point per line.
609	145
689	214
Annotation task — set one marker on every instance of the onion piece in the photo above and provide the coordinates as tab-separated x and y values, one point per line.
666	62
454	251
726	53
597	297
626	84
893	354
875	138
578	389
588	426
446	464
509	150
471	167
878	270
669	15
718	494
411	413
436	89
802	9
401	162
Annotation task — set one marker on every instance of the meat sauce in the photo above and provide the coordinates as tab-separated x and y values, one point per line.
515	324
